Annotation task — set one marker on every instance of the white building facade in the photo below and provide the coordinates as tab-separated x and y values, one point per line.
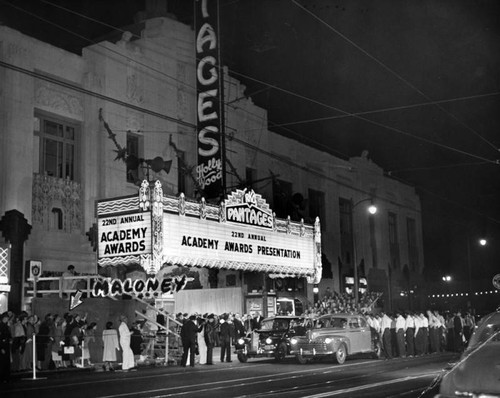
58	157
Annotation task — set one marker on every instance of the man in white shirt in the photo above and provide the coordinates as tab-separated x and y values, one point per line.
385	327
410	334
418	335
433	331
425	329
441	332
400	334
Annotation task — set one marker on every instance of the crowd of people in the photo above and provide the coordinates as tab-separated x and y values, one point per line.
71	340
199	334
64	341
403	333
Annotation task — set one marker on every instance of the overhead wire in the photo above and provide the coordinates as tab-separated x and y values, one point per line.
178	120
390	70
390	109
346	114
271	123
384	126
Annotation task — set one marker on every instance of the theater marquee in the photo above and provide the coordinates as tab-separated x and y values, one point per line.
240	234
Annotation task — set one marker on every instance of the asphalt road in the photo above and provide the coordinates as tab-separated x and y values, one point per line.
359	377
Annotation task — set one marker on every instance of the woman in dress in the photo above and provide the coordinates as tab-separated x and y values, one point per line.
58	334
110	344
27	353
19	343
127	353
91	343
202	346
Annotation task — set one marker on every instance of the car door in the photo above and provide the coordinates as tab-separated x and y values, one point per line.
355	335
365	335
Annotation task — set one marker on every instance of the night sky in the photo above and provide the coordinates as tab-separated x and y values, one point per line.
416	83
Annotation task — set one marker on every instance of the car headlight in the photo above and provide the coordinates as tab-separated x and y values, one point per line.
269	340
294	341
241	341
328	340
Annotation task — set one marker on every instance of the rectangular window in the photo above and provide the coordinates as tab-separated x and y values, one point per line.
250	177
181	172
393	240
282	198
346	241
317	206
57	140
133	157
412	243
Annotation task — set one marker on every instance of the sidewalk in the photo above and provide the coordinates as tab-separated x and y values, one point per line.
98	367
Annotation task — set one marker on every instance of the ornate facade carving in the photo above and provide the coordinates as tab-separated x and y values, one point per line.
182	95
56	204
51	97
15	51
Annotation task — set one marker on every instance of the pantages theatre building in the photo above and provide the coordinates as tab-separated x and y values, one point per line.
250	219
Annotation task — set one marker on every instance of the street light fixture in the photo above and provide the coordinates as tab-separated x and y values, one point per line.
482	242
372	209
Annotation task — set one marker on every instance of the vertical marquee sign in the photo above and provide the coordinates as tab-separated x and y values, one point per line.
210	109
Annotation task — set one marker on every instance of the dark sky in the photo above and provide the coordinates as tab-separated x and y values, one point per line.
416	83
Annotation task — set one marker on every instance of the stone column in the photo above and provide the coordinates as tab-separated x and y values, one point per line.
15	229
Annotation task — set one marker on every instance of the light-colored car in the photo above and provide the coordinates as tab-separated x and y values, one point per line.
477	373
336	336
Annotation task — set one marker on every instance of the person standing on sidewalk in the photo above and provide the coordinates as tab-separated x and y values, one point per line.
189	337
225	340
110	341
127	353
5	338
385	332
400	334
209	336
410	334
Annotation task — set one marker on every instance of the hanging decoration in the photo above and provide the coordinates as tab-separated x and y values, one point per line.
133	162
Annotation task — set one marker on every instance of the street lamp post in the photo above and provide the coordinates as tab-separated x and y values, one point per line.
482	242
372	209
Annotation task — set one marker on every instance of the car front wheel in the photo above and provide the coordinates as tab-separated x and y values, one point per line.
281	352
341	354
377	352
302	360
242	357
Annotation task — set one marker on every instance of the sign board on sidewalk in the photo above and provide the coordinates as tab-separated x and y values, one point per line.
496	281
35	269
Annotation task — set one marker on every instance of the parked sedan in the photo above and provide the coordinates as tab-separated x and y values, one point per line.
336	336
272	339
477	373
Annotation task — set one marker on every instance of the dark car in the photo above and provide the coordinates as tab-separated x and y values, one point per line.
272	339
477	373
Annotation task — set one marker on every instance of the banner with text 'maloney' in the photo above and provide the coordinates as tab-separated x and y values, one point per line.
210	117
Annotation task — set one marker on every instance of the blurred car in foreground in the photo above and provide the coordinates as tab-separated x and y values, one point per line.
477	373
336	336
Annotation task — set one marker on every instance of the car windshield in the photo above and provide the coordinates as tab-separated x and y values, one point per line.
275	324
327	322
488	329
